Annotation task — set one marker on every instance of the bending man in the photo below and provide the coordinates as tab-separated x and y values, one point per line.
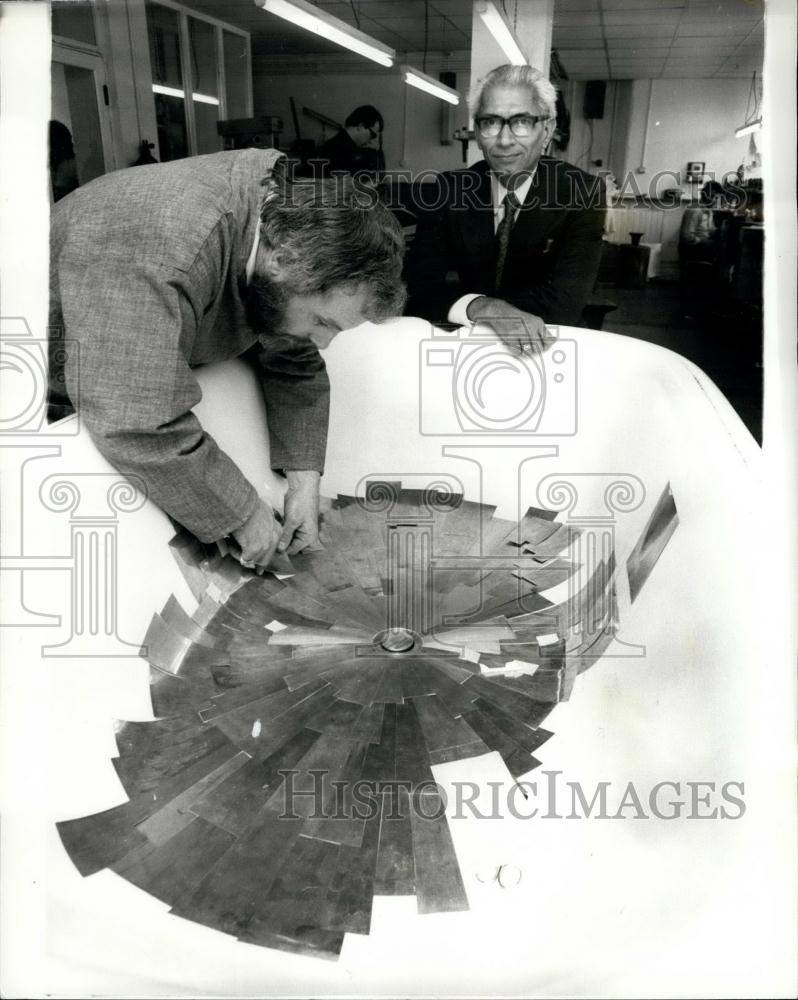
155	270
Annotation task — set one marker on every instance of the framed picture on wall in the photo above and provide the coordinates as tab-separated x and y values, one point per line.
695	170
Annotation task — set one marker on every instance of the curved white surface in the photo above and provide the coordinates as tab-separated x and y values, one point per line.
627	906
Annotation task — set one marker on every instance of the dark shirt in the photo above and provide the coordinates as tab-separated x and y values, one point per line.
341	154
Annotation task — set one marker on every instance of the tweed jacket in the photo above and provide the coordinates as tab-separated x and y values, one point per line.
147	282
552	257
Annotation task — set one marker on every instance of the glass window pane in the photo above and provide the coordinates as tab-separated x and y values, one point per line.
202	44
163	29
236	74
74	20
76	145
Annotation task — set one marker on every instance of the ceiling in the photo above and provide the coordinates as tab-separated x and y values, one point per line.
594	39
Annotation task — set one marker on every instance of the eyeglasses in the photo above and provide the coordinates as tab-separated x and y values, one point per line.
522	126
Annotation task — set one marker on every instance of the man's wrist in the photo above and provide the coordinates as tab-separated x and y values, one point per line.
302	477
458	313
474	307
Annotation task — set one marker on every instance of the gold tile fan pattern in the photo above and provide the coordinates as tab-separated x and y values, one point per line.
286	778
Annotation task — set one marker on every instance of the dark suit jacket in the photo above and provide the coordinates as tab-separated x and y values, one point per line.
552	258
147	282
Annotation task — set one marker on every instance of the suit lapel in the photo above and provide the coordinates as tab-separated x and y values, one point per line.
538	214
476	224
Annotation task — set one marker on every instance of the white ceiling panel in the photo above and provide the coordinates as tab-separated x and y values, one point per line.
574	63
700	29
690	66
744	66
660	46
739	13
636	63
640	41
369	8
638	33
637	5
577	31
589	19
635	30
575	6
642	17
581	58
582	45
451	8
692	47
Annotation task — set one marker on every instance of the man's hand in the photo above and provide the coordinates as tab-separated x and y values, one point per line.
518	330
258	536
301	512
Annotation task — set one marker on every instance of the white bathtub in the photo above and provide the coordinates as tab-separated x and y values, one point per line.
626	906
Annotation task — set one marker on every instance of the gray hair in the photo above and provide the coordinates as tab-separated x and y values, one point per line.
334	233
544	93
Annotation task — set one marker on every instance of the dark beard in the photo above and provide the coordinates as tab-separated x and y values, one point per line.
265	301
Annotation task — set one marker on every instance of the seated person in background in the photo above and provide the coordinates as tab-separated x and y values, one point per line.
698	233
352	149
698	251
63	169
523	231
158	269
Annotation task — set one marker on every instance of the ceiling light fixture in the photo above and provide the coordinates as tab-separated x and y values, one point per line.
415	78
159	88
314	19
749	127
753	119
500	28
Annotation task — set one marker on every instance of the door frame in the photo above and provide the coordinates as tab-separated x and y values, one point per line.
71	53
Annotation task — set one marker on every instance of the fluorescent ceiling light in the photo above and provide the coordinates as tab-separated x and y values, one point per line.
498	26
753	126
205	99
430	85
305	15
159	88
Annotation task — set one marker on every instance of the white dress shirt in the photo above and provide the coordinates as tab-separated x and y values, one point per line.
459	311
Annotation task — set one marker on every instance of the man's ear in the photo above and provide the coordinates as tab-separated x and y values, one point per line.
550	126
269	263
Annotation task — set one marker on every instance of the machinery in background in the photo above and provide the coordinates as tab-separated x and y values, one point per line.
262	132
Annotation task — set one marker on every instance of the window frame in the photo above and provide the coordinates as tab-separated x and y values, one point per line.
220	27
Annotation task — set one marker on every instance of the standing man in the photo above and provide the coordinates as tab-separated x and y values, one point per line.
158	269
522	231
352	150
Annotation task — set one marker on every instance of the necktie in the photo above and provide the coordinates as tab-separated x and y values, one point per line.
510	204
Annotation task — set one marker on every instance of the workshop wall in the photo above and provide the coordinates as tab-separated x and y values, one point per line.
412	138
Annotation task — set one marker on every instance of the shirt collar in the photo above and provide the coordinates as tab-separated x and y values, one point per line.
253	253
499	190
